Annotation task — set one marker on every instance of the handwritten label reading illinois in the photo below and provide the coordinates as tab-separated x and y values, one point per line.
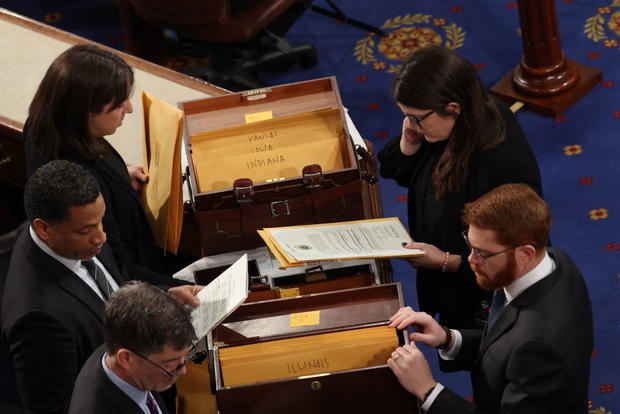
305	318
308	366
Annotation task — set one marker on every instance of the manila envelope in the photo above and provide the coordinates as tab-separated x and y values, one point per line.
272	149
163	196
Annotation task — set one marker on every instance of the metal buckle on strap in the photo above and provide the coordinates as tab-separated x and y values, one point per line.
313	176
244	190
315	274
280	208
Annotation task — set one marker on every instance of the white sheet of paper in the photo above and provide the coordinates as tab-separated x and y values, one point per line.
345	240
225	259
355	135
221	297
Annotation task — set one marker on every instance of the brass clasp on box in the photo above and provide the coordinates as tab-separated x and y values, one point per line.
259	283
313	176
315	274
370	161
243	190
368	177
280	208
256	94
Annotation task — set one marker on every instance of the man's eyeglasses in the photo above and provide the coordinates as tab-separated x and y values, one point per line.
418	119
481	254
191	356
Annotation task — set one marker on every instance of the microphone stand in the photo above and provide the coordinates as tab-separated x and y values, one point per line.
338	14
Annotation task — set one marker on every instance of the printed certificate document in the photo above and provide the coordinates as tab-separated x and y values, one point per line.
363	239
221	297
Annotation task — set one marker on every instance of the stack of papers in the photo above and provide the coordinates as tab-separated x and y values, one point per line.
363	239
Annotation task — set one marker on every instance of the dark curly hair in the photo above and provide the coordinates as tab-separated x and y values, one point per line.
143	318
56	186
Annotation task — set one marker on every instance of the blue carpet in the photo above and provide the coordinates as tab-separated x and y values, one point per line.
577	152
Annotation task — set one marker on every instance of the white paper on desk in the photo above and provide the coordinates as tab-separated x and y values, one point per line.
221	297
345	240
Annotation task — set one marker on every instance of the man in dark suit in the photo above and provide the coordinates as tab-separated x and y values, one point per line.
534	354
148	338
60	274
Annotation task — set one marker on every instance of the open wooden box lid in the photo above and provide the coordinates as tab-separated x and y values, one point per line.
339	310
220	112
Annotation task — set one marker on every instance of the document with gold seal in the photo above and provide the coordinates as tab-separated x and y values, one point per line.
361	239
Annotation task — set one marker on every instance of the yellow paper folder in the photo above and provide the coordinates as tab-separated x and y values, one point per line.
307	355
163	196
267	149
302	245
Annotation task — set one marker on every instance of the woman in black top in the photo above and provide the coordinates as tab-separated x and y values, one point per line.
457	143
83	97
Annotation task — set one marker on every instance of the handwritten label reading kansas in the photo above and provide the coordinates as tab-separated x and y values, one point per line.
257	136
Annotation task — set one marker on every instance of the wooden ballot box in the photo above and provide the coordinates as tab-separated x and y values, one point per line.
271	157
322	353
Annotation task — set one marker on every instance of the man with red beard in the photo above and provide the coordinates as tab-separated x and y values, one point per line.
533	356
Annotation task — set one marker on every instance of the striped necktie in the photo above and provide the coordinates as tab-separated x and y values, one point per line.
99	277
151	404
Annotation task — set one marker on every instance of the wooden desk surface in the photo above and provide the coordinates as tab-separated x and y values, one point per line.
28	47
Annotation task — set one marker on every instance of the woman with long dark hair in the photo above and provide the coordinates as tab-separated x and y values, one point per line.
457	143
82	98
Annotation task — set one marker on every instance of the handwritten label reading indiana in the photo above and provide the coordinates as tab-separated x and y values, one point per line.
262	147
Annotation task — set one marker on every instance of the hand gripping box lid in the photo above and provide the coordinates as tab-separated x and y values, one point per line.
324	353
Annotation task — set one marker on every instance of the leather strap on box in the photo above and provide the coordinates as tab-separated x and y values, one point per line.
313	178
225	225
243	189
368	166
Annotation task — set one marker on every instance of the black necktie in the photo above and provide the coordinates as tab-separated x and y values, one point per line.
497	305
99	277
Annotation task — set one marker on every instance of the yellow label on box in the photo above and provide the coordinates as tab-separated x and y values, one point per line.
289	293
258	116
305	318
